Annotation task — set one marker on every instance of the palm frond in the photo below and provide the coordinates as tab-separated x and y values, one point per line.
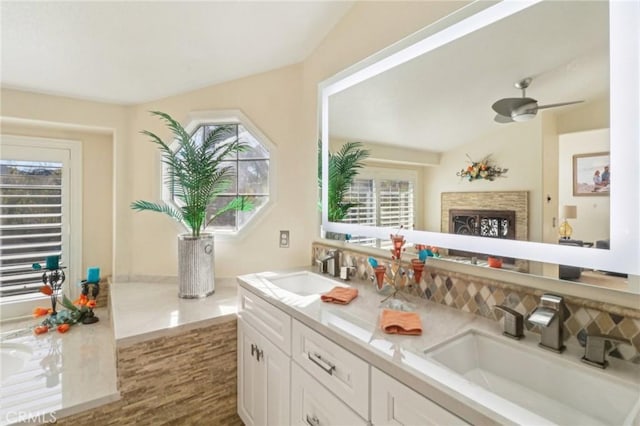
197	172
344	166
242	204
141	205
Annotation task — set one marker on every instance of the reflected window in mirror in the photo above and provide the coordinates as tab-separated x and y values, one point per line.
383	197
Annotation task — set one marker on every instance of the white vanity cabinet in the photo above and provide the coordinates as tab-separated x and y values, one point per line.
263	366
343	373
313	405
393	403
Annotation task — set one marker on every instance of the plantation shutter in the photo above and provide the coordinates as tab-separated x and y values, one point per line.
31	222
381	202
396	205
363	193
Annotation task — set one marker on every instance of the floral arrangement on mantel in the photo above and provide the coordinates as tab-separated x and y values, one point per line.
483	169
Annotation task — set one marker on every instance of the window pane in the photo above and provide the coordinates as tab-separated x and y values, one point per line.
253	177
255	149
232	188
258	202
197	136
226	220
232	128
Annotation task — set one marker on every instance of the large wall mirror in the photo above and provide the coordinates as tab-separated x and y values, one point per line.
423	109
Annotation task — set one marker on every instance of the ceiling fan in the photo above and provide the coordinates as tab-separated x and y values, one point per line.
521	109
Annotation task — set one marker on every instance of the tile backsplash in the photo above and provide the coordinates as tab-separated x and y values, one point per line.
477	295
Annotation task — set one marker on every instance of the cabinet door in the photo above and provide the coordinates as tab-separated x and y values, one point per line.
276	366
340	371
313	405
393	403
251	377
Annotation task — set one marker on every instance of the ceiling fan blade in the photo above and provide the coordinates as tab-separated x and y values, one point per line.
559	104
502	119
506	105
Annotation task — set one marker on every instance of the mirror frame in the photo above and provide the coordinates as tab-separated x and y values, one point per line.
624	40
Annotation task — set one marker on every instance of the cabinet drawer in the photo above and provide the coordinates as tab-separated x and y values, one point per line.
274	324
344	374
313	405
393	403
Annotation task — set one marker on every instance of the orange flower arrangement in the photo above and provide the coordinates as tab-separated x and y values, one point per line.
46	289
40	312
41	329
482	169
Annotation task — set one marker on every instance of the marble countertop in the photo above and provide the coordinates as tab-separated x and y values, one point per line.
356	327
144	310
63	374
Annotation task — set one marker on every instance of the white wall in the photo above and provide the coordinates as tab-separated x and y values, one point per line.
592	223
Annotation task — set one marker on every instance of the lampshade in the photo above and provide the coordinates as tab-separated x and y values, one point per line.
569	212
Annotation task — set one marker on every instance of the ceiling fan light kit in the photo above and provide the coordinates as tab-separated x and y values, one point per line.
521	109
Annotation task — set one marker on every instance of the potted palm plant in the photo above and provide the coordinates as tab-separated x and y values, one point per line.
196	175
344	166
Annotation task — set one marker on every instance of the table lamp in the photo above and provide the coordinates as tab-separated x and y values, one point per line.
568	212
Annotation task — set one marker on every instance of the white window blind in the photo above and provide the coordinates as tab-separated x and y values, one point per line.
31	222
382	201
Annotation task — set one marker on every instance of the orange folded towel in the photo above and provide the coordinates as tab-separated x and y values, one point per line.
340	295
398	322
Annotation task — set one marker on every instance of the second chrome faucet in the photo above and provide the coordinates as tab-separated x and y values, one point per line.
549	317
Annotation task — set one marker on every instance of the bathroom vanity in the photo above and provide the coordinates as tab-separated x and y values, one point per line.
331	364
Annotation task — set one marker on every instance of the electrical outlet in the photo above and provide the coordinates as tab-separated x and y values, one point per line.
284	239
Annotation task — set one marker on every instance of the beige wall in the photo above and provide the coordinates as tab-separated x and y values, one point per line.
281	103
516	147
272	102
101	128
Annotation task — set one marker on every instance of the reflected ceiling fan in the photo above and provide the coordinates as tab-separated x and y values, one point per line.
521	109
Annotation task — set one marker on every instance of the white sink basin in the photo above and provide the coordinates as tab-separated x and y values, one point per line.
303	283
14	357
559	390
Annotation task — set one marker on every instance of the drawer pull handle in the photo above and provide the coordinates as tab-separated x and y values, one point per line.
259	354
322	363
253	349
313	421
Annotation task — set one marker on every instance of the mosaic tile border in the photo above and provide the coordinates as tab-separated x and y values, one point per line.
477	295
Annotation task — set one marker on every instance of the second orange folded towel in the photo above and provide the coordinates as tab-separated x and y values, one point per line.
398	322
340	295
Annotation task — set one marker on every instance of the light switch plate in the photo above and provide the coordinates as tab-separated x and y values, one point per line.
284	239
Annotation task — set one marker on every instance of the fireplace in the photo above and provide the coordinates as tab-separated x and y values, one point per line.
466	213
482	223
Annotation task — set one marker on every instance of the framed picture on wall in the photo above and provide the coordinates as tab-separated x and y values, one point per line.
591	174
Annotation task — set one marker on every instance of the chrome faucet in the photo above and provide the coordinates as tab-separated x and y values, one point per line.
513	322
597	347
330	263
549	317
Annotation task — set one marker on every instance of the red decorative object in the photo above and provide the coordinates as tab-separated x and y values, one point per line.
494	262
398	246
418	267
380	271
